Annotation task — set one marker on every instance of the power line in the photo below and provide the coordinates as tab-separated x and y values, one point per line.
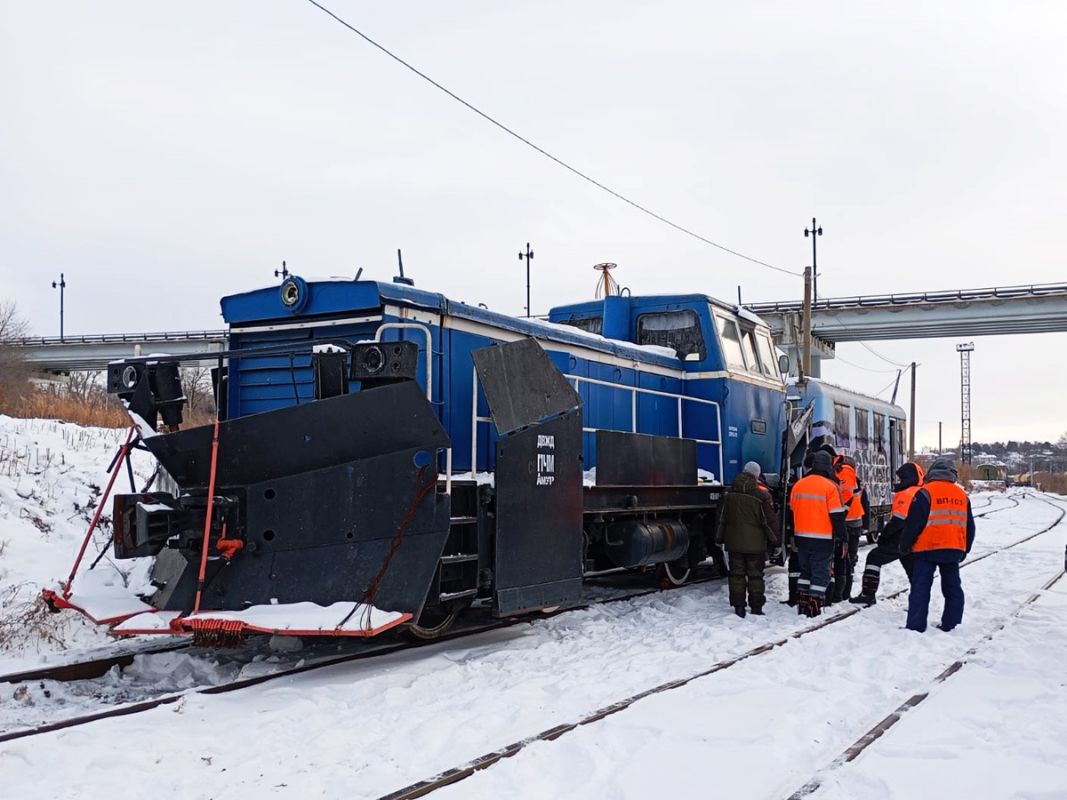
885	388
886	360
544	152
872	351
860	366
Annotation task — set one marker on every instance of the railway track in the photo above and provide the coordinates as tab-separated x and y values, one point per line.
1014	504
376	648
90	668
854	750
454	775
93	668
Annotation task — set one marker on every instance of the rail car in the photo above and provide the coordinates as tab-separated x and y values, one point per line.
386	456
869	430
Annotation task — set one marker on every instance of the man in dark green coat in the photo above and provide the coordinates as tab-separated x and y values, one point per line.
746	528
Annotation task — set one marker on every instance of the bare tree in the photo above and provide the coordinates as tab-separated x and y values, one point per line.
86	388
14	371
12	326
196	384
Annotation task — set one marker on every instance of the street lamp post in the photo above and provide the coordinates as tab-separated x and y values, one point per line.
813	233
528	255
62	286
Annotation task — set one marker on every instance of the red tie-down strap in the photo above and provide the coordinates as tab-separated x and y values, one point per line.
116	468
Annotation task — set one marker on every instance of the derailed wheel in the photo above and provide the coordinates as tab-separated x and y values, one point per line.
674	573
433	623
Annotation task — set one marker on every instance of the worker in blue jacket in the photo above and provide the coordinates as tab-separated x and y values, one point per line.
938	532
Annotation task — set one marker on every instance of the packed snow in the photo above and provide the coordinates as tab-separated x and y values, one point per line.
762	728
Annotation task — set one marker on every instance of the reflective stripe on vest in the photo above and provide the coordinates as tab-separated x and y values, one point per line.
902	501
946	527
850	491
813	499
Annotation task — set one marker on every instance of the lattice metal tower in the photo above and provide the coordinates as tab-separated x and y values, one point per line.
965	351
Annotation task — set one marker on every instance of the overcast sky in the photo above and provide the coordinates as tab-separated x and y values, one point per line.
162	154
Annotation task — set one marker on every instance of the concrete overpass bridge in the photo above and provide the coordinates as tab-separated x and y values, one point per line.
958	313
93	352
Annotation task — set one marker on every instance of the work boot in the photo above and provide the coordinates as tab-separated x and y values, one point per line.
802	604
757	610
864	599
740	611
814	606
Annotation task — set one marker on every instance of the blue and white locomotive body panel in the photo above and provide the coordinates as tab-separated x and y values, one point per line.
680	365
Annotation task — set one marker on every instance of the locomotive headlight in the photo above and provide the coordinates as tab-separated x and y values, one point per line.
130	376
294	294
290	293
373	360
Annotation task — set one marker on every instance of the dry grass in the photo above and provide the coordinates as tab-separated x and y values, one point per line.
967	473
1051	482
90	408
44	404
26	624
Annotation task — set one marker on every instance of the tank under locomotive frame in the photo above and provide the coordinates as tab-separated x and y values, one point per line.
388	457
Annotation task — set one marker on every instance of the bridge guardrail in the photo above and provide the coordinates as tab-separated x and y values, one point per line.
914	298
109	338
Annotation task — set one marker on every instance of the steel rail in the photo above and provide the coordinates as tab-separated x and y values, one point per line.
91	668
853	751
307	666
1015	504
459	773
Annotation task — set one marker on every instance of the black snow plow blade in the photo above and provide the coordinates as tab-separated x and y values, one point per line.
331	502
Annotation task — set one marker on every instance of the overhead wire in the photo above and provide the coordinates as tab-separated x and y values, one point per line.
837	357
887	387
871	350
548	155
886	360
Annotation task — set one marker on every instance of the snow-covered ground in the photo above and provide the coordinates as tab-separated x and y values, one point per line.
761	728
51	478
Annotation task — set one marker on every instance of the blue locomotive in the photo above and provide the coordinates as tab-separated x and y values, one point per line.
386	456
678	365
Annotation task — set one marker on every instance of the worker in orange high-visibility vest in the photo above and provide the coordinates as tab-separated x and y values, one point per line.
818	519
846	554
909	480
939	532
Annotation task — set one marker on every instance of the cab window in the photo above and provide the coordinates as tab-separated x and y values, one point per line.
731	343
679	330
766	355
748	346
587	324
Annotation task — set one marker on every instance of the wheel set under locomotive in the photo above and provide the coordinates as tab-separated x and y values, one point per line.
386	457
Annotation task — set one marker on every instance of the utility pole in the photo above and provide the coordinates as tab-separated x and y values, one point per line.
813	233
911	430
805	327
282	273
62	286
528	255
940	449
965	351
